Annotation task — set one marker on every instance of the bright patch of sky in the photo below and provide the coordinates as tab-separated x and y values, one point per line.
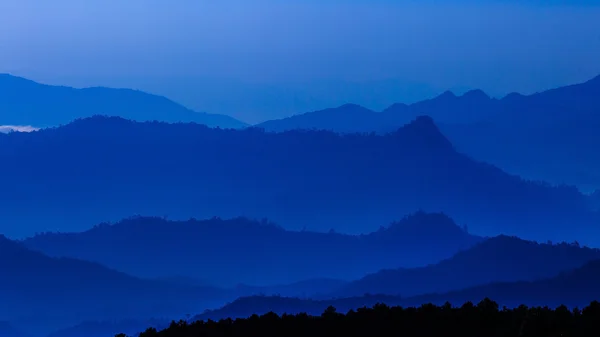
265	59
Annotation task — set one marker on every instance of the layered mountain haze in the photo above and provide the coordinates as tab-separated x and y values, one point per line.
32	281
100	169
473	106
104	169
344	118
545	136
260	305
573	288
401	168
258	253
24	102
573	102
497	259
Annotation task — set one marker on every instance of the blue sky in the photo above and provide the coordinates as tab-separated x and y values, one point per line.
264	59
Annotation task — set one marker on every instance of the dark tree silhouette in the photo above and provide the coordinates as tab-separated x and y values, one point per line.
483	319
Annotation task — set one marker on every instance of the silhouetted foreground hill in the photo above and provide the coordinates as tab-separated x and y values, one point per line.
24	102
50	291
499	259
483	319
257	252
104	169
548	135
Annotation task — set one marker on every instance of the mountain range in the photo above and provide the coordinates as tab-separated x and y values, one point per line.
78	290
529	135
155	246
257	253
445	108
547	136
572	102
330	182
106	168
498	259
575	288
27	103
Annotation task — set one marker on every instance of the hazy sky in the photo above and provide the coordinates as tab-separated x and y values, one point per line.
261	59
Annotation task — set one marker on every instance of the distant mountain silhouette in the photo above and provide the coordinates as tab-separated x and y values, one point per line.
447	107
575	288
104	169
260	305
474	106
498	259
258	253
77	290
24	102
344	118
548	135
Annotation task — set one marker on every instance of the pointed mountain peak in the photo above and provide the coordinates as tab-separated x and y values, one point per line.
513	96
396	107
425	223
476	94
423	132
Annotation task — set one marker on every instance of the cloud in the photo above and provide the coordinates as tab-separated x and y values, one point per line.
17	128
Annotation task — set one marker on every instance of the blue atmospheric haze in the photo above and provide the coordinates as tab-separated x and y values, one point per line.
265	59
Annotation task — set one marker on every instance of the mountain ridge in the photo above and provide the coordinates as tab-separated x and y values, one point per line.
513	259
298	179
25	102
147	246
529	135
574	288
31	281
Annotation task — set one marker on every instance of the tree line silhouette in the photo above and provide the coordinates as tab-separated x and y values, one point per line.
480	320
